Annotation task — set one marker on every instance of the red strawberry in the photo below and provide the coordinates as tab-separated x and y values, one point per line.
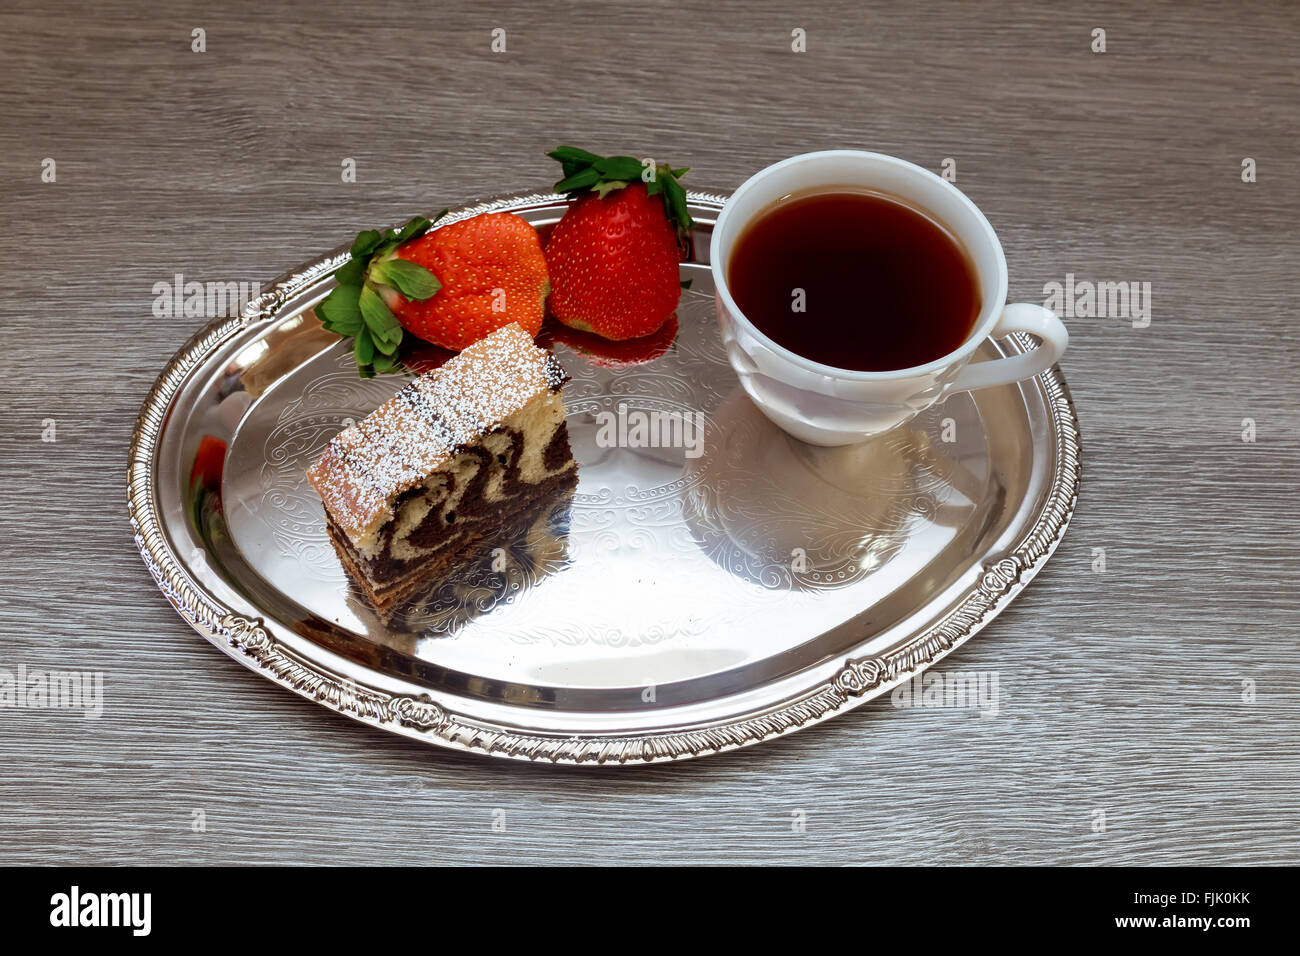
209	461
493	273
451	286
613	257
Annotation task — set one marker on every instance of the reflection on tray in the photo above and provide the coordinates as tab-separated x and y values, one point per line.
504	565
785	515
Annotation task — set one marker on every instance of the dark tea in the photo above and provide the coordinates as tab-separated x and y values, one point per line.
855	280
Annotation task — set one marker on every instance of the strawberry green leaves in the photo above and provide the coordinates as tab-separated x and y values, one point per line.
674	197
584	171
580	181
617	168
340	312
384	329
356	308
413	281
573	160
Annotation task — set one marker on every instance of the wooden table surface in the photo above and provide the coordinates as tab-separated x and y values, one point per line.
1123	692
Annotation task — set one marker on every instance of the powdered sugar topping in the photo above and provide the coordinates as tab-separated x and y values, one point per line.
422	427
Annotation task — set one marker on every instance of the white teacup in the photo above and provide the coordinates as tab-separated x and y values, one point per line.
825	405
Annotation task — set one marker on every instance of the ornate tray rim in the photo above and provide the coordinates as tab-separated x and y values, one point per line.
248	641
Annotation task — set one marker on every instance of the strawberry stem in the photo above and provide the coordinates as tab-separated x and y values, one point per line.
356	308
584	172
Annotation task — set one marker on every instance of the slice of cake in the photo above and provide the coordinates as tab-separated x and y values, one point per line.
453	455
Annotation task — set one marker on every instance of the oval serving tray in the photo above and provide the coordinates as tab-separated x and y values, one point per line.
688	600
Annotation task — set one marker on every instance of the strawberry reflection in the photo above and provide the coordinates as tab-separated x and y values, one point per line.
604	353
420	356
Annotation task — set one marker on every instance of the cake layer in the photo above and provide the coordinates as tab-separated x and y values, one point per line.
400	581
429	422
517	461
445	463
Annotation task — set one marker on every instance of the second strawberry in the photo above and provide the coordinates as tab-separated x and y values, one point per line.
613	257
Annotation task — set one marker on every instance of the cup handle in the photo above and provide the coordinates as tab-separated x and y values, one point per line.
1018	317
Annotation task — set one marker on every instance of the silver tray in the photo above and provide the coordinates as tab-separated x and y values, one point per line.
679	605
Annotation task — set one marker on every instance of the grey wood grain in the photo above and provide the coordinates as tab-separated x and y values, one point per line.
1121	691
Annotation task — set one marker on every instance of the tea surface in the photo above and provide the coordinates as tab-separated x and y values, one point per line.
855	280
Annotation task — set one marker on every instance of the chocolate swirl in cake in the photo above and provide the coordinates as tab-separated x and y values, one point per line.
483	485
453	454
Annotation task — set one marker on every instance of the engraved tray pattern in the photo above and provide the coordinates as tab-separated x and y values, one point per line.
271	383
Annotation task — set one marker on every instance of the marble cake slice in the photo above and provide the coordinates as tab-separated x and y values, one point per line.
412	488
